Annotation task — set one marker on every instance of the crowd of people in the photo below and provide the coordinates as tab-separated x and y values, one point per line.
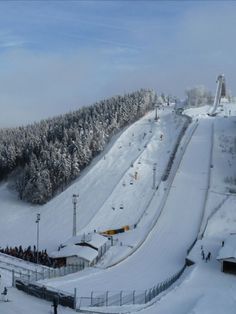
29	254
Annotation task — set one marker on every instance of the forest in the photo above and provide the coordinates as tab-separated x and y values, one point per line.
45	157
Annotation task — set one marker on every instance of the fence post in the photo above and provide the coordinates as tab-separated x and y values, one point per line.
75	298
107	298
91	298
121	298
28	275
13	278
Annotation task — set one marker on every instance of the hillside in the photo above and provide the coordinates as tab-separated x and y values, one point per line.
195	201
44	158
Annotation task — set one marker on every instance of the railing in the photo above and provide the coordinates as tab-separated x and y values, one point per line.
33	276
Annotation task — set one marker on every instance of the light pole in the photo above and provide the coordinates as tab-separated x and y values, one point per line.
37	222
155	112
154	177
74	201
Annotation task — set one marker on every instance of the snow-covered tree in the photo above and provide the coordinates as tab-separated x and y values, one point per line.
51	153
198	96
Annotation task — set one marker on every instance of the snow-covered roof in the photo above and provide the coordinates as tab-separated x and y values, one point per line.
94	239
229	248
83	252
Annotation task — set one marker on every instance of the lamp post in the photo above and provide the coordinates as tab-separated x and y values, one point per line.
155	112
154	177
37	222
74	201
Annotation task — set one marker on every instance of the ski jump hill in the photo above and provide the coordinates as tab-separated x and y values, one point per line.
164	179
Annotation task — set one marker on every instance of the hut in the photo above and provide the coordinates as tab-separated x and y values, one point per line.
93	240
83	249
227	255
75	255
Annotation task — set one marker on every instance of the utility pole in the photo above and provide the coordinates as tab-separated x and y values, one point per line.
74	201
37	222
154	177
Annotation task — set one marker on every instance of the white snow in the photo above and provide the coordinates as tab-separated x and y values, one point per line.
197	199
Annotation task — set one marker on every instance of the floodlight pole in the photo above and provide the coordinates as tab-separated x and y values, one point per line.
74	201
154	177
37	222
155	112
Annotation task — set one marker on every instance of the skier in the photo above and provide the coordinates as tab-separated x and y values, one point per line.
4	294
208	256
203	255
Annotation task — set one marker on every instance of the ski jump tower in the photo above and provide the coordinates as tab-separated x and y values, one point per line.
220	92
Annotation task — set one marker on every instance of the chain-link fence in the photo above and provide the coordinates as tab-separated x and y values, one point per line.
33	276
119	298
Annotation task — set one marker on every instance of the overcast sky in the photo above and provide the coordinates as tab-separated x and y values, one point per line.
56	56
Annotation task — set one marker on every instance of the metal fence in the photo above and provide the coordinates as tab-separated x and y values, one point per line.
119	298
96	299
63	298
172	156
33	276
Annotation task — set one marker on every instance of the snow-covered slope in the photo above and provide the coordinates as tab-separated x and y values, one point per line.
200	189
204	288
100	189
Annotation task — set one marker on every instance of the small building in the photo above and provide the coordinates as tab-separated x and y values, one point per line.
179	107
83	249
93	240
75	255
227	255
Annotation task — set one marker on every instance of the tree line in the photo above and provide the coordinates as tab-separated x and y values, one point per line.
46	156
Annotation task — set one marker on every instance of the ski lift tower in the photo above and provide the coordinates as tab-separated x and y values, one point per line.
74	201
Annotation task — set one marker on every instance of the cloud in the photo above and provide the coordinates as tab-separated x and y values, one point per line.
8	40
75	54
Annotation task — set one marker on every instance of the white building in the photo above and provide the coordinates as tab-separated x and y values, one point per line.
84	250
75	255
92	240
